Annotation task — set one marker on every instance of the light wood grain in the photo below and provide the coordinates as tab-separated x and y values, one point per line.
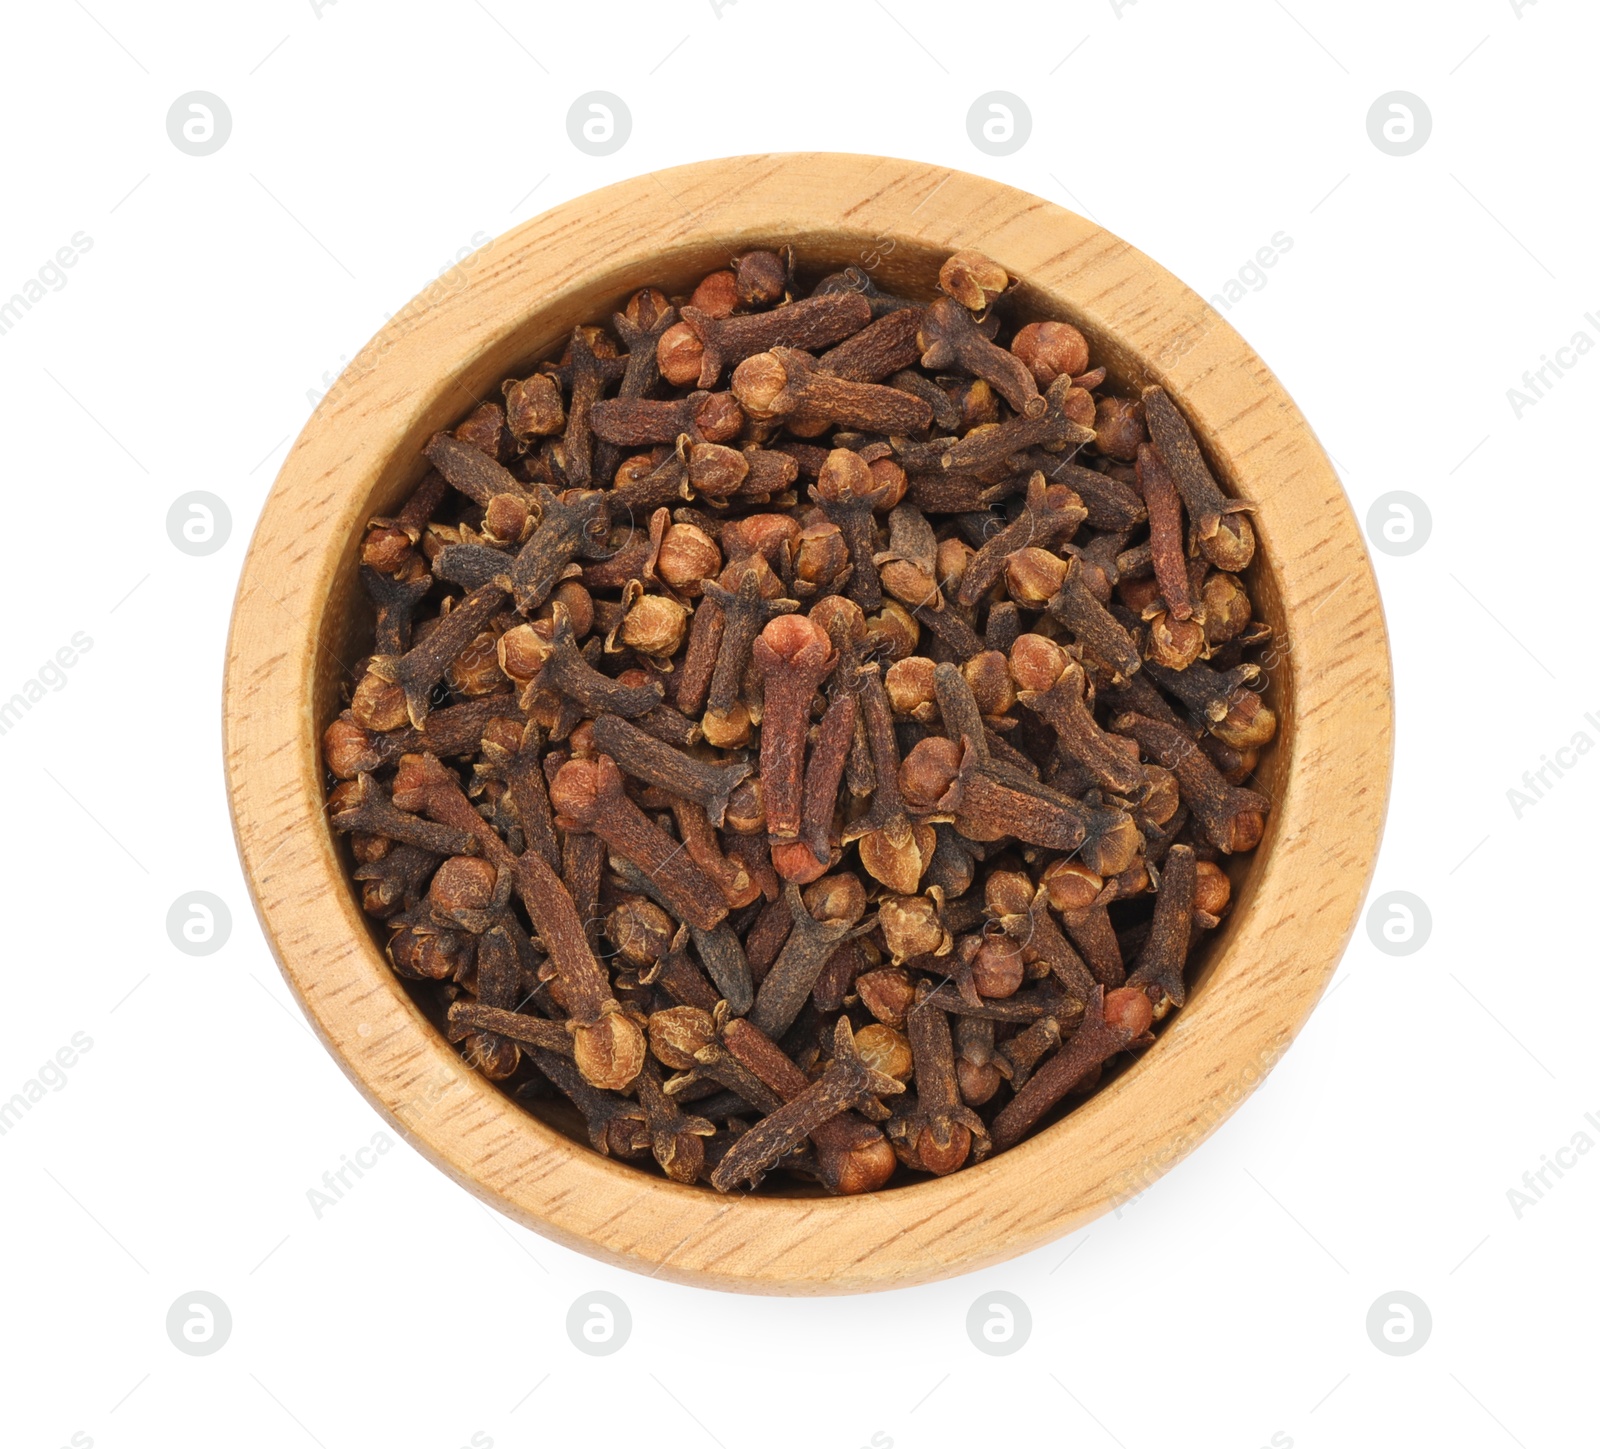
298	625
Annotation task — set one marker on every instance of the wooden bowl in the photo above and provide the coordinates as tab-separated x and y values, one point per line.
300	622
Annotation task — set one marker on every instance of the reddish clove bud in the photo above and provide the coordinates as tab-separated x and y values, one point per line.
794	656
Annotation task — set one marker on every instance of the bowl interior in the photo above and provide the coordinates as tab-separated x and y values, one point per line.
899	264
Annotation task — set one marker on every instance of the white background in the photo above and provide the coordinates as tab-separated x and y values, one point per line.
369	144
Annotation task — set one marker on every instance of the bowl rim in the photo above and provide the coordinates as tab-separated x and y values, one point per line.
1334	756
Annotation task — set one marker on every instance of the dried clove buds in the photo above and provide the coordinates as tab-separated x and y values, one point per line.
806	735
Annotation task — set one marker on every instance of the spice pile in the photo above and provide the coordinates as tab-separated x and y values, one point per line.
802	731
